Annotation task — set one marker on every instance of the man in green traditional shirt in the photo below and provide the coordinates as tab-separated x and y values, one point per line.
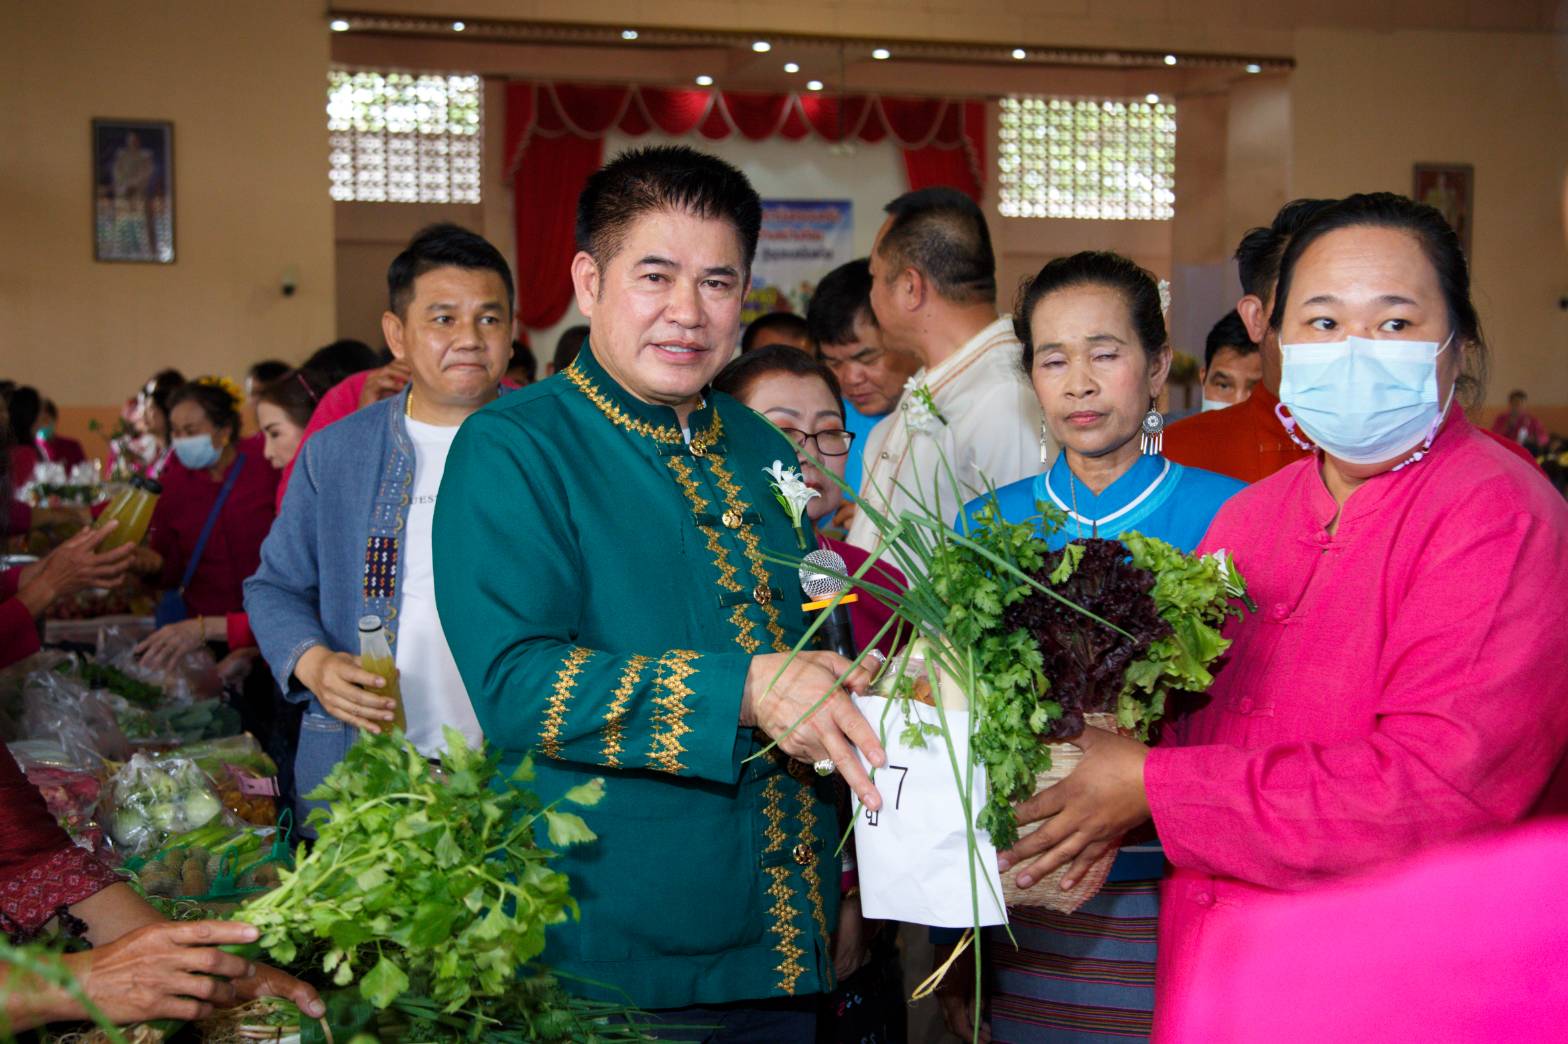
619	607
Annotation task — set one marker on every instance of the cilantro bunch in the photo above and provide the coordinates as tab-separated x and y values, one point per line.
429	891
1007	669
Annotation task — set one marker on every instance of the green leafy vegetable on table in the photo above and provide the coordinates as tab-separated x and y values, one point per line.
428	891
103	676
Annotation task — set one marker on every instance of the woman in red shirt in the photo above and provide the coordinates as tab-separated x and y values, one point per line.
52	445
26	591
802	397
204	423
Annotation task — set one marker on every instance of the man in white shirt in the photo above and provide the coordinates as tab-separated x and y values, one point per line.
933	290
354	536
454	334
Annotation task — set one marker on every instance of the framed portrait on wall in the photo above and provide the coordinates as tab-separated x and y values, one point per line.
133	191
1450	187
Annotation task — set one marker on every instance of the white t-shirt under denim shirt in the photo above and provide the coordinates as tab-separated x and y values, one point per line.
433	692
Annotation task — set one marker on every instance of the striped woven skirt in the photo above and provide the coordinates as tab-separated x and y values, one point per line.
1088	976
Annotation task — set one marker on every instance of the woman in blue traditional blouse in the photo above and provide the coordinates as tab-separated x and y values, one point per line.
1095	349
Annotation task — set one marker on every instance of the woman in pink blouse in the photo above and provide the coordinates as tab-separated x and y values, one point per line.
1404	682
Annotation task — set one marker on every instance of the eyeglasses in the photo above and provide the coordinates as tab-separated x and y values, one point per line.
831	443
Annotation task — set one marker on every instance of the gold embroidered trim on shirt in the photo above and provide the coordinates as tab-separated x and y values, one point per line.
748	537
669	725
614	727
721	559
555	710
704	440
790	968
668	434
744	625
772	807
700	505
808	836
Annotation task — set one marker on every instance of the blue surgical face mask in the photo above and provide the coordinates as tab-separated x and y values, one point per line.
197	452
1364	401
1210	405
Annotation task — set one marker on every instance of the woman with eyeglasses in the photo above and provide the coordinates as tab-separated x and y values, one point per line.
799	394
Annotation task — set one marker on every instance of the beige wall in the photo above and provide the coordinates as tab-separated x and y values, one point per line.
1368	106
244	87
369	236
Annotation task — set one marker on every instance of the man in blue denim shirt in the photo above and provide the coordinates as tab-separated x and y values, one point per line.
354	535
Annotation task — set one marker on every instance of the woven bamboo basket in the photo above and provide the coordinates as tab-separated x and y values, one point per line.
1048	893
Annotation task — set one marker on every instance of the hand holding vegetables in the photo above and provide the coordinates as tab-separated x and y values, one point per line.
163	971
346	690
170	644
432	890
793	698
1086	812
171	970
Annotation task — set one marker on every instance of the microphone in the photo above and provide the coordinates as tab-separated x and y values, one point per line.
820	587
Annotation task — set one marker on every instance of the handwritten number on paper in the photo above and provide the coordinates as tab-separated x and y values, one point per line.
898	795
904	774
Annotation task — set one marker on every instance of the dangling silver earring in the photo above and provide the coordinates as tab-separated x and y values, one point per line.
1151	436
1045	444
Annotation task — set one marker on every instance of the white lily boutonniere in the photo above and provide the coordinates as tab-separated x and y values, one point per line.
1230	576
793	494
920	411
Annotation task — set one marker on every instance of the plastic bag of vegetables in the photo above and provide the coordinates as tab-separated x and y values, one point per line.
241	751
13	682
71	794
194	677
58	707
217	863
148	801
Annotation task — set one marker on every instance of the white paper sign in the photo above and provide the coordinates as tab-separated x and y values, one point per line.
913	853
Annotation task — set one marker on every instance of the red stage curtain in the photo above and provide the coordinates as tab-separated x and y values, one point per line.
960	167
555	134
544	198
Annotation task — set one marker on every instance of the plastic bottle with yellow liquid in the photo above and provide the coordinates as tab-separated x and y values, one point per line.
375	656
116	505
132	508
